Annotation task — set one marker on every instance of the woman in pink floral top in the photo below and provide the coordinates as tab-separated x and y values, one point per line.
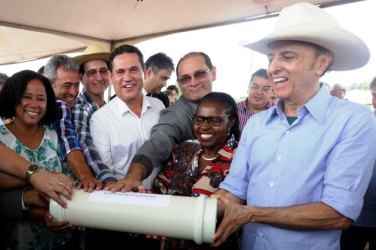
198	167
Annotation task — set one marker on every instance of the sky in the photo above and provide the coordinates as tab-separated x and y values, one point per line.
235	64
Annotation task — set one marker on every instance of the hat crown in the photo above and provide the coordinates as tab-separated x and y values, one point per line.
337	86
92	52
93	49
302	14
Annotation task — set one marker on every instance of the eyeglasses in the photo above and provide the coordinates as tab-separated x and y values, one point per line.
94	72
198	75
212	120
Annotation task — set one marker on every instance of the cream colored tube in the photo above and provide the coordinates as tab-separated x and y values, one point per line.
165	215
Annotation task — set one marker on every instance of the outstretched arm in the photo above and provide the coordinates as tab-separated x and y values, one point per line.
312	216
49	184
71	150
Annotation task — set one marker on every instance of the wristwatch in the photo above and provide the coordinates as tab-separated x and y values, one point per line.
31	170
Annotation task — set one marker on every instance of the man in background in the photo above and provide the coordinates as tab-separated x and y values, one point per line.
93	67
338	91
175	91
158	70
62	71
259	97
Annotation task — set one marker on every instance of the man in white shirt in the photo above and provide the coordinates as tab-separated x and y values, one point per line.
119	128
123	125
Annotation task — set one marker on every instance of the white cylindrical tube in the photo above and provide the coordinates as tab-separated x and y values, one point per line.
178	217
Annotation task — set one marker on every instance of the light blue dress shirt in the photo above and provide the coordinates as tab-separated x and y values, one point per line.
326	155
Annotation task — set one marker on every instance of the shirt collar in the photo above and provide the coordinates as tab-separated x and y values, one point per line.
316	106
123	108
319	104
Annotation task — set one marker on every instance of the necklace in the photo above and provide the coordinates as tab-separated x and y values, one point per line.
208	159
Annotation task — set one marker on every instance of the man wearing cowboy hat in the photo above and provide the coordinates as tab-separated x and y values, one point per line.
302	167
338	91
93	65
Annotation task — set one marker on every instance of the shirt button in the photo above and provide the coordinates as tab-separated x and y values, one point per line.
279	158
271	184
287	132
260	234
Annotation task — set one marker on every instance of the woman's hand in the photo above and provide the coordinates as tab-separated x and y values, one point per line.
53	185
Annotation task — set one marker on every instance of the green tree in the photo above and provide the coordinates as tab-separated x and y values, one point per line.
362	85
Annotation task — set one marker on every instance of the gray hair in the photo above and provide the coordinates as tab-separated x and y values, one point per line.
57	61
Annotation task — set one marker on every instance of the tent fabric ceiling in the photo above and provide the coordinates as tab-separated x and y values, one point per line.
40	28
18	45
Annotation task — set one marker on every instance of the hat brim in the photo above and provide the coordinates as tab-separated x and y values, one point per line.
84	58
349	51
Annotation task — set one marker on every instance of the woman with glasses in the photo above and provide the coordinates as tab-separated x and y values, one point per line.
198	167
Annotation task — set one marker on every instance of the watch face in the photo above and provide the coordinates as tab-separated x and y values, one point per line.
33	168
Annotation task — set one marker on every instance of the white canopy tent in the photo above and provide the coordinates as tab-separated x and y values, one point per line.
39	28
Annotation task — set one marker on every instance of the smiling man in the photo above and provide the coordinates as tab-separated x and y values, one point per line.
302	167
120	127
95	76
62	71
259	97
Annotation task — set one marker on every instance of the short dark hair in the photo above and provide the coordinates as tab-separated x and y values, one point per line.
191	54
229	106
259	73
122	49
173	87
14	88
159	61
167	92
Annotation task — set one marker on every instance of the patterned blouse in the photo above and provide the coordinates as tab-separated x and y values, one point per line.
34	234
181	177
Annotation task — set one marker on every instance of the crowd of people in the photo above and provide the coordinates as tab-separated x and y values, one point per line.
292	166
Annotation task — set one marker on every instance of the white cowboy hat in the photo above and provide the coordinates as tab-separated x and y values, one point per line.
307	22
93	51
